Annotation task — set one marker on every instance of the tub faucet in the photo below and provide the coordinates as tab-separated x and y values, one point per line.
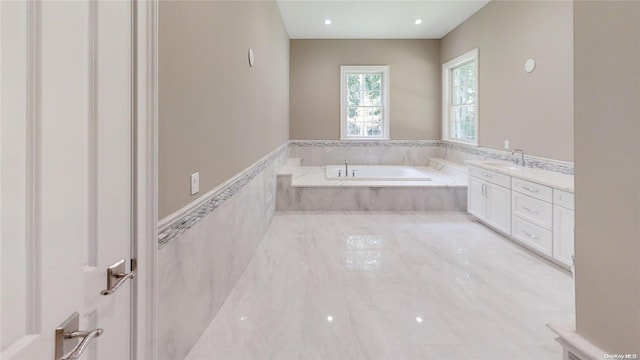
346	168
521	153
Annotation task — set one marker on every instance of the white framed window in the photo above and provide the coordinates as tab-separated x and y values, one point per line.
364	102
460	99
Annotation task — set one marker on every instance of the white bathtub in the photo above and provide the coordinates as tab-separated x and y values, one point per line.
375	172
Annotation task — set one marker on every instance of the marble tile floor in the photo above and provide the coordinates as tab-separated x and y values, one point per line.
356	285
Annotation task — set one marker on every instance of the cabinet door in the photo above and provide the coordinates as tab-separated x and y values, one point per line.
563	227
476	199
498	209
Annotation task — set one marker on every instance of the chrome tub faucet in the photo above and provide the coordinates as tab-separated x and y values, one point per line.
346	168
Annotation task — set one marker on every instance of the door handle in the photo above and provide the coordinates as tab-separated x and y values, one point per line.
86	337
116	276
67	334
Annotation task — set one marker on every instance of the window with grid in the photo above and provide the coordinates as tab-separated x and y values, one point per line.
364	102
460	96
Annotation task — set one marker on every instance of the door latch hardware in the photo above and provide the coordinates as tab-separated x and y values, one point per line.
71	341
116	276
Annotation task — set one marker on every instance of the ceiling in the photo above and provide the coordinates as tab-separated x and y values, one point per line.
357	19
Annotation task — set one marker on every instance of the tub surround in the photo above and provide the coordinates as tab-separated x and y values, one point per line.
306	188
315	176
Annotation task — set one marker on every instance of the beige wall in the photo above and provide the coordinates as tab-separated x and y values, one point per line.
414	93
534	111
216	114
607	150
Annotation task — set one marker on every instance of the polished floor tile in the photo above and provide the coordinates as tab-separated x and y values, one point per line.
351	285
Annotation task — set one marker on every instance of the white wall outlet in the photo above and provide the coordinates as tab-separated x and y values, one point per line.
506	145
195	183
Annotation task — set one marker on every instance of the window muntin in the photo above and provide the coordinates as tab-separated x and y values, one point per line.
364	102
460	96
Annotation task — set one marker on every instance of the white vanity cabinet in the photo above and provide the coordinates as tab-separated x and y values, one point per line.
563	227
537	216
489	200
532	217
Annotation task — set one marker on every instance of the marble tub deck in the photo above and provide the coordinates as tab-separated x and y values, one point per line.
306	188
354	285
314	176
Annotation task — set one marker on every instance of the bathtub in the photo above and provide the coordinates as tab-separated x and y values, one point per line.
375	172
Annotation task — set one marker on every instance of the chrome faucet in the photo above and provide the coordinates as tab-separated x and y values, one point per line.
346	168
521	153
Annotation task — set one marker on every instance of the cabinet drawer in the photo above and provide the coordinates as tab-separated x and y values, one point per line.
532	189
536	211
491	176
531	235
563	198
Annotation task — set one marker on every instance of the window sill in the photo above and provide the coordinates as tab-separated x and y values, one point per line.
364	139
470	143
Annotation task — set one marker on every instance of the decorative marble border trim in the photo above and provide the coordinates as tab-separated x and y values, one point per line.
363	143
174	225
563	167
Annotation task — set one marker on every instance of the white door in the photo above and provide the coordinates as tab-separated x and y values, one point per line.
66	177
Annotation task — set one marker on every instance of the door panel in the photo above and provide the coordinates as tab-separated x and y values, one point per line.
112	166
66	173
15	261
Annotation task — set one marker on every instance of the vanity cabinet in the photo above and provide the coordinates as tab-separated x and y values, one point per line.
489	201
563	227
532	215
537	216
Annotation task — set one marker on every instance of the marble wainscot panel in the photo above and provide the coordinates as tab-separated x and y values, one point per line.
460	153
380	152
204	251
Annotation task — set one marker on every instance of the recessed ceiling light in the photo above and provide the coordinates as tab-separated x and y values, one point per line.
327	21
418	21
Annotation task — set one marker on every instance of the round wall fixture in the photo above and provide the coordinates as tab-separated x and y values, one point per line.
529	65
250	57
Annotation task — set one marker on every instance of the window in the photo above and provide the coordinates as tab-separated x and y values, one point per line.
460	99
364	102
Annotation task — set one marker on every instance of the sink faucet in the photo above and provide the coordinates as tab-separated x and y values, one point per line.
521	153
346	168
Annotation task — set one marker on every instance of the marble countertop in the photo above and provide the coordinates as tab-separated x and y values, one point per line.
544	177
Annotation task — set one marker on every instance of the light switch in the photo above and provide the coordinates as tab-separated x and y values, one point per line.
506	145
195	183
